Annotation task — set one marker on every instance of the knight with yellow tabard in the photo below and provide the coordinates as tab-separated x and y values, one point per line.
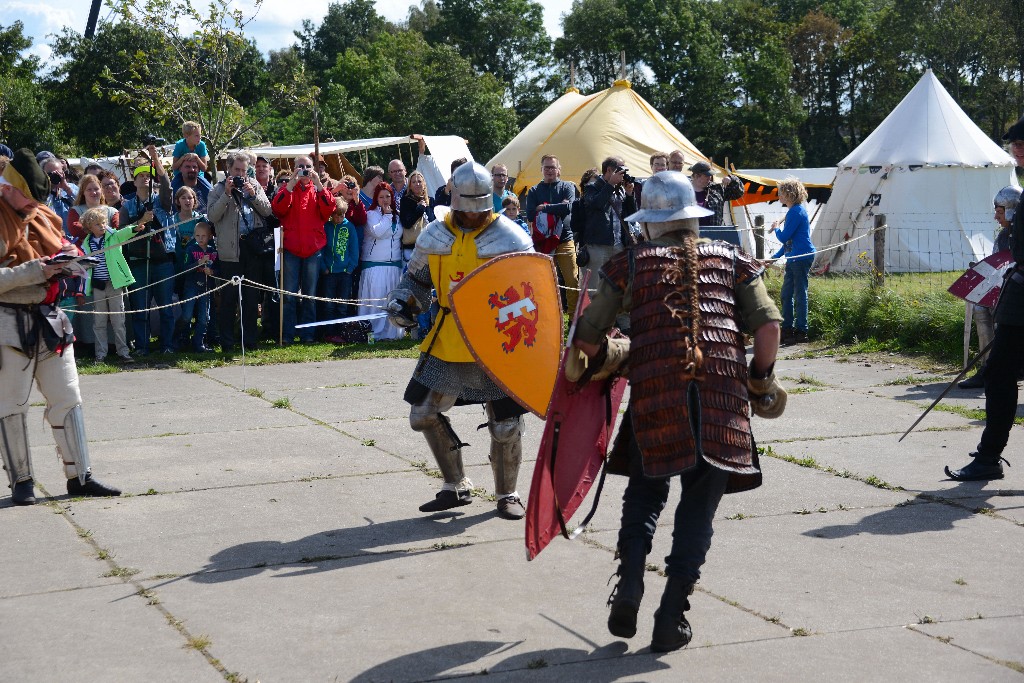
447	374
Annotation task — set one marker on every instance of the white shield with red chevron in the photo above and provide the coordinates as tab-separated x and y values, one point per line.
509	312
981	283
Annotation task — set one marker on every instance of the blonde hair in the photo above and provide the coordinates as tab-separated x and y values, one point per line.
793	189
408	185
99	215
190	127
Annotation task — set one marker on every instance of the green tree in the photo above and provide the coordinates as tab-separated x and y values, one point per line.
24	119
348	24
504	38
191	76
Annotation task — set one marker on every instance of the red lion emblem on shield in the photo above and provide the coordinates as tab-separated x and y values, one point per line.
517	316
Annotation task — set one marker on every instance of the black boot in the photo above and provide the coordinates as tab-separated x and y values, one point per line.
626	596
23	493
671	629
446	500
91	488
982	468
975	382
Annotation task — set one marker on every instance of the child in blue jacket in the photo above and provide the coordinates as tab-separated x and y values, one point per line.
340	256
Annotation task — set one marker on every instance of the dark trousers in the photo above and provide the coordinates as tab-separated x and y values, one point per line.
1005	360
260	268
334	286
645	498
227	311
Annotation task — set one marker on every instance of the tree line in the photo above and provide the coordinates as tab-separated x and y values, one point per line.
766	83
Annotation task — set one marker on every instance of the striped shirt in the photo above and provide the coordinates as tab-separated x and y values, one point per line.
99	272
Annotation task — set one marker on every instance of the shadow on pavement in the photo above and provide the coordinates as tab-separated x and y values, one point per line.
434	662
932	511
339	548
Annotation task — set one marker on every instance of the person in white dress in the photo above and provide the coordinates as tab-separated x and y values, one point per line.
380	259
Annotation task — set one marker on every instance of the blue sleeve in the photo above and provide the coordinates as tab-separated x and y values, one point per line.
201	150
352	251
795	220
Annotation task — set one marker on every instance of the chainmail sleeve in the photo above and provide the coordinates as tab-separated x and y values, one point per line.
419	284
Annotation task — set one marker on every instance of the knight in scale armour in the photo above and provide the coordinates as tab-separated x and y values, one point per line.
447	374
692	392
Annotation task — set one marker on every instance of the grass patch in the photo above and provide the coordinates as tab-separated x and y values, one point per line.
800	632
914	380
265	353
254	392
122	572
372	442
539	663
283	402
102	554
960	581
802	390
200	642
738	515
913	313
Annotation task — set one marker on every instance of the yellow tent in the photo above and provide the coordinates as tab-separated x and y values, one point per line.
582	131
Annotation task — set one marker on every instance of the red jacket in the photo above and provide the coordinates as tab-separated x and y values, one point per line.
302	213
356	213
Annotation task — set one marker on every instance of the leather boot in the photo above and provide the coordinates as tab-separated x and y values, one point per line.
671	629
23	493
91	488
975	382
982	468
625	598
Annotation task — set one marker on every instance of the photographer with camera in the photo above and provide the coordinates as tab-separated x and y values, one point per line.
606	199
150	260
238	206
302	206
62	192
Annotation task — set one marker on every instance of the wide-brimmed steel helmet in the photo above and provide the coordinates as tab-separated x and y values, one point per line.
1008	198
471	188
668	196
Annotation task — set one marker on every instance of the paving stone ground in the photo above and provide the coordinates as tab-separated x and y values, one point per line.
266	543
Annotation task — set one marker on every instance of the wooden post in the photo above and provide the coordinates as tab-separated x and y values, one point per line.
759	236
878	267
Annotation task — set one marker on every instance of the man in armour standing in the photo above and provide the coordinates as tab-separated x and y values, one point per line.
35	335
1006	355
447	374
688	300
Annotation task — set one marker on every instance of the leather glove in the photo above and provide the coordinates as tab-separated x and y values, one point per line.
402	308
610	360
767	397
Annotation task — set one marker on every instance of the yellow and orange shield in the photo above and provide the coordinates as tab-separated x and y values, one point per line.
510	313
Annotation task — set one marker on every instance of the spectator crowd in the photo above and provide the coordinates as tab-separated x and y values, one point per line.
176	235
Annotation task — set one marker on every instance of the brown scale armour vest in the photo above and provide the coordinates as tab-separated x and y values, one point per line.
676	419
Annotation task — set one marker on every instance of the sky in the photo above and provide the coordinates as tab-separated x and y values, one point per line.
272	28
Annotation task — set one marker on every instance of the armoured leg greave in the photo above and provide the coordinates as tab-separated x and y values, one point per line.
14	448
444	443
71	445
506	451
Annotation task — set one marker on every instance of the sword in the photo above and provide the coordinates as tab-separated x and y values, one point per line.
367	316
967	368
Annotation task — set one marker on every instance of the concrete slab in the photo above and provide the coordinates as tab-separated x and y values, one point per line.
94	634
825	571
845	372
888	655
836	412
1000	639
439	601
42	553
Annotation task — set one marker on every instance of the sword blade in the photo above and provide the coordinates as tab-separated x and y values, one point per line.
974	361
336	321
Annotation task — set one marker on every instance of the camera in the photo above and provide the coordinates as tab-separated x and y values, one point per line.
303	172
626	178
150	139
55	178
238	181
350	185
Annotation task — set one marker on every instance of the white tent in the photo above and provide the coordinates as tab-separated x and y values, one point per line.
933	173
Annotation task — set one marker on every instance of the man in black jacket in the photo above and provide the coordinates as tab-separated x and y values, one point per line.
606	199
